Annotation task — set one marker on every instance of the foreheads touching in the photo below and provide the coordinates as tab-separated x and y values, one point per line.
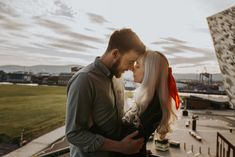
149	66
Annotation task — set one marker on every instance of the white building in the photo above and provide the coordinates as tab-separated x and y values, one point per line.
222	29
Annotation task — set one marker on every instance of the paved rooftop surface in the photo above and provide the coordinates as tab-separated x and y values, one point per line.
208	124
207	128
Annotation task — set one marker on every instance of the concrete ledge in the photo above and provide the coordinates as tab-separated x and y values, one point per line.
38	144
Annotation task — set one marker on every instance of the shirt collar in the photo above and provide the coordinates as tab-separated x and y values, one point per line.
102	67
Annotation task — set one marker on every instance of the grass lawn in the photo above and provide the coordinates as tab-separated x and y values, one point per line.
36	109
129	94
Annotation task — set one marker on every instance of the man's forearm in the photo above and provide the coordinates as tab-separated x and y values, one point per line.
85	140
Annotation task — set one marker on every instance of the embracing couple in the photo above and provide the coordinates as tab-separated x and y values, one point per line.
96	125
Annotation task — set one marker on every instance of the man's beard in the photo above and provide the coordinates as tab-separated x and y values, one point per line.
114	69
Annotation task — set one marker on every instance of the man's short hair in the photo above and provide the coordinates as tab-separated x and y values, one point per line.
125	40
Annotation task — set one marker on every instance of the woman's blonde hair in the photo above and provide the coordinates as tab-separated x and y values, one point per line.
156	73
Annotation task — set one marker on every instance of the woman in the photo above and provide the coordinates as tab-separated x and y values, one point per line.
152	109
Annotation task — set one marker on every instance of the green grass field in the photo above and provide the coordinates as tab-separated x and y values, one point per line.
37	110
129	94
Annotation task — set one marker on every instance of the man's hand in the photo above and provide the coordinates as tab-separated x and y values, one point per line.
127	145
130	145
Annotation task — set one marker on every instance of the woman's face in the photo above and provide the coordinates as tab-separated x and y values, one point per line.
138	70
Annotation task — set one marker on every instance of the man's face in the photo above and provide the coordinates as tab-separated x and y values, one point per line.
124	63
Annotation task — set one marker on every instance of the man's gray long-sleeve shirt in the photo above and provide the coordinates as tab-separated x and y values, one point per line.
94	111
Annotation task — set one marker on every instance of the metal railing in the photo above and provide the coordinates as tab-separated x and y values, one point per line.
223	147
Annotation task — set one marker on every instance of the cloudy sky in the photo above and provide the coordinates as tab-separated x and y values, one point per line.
62	32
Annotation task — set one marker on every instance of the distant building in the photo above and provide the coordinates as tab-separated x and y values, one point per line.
205	78
222	31
202	102
3	76
19	77
64	78
129	85
201	86
41	78
181	85
75	69
45	78
53	79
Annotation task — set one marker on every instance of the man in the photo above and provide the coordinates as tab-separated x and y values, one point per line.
94	111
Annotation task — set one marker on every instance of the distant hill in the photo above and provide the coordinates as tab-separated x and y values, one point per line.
38	68
215	77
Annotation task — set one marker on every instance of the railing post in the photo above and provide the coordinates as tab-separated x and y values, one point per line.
220	146
217	145
228	152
